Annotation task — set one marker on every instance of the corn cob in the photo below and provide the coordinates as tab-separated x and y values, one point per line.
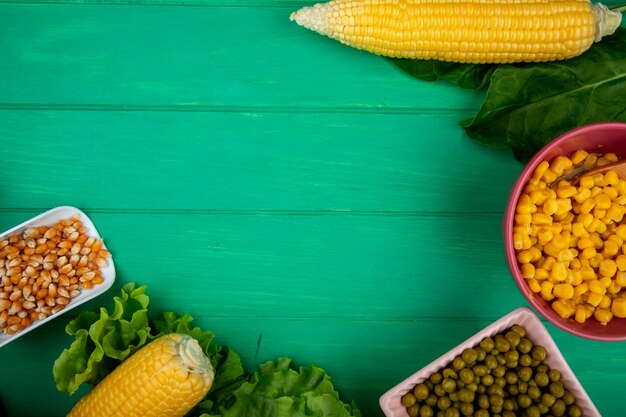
165	378
465	31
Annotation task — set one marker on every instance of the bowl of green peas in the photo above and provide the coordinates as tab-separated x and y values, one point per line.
511	368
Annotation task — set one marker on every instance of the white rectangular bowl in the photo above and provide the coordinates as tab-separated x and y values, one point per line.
536	332
50	218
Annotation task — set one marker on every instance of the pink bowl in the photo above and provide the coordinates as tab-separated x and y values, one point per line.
599	138
391	404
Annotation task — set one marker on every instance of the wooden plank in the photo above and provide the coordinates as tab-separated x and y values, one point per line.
337	266
401	163
224	57
363	357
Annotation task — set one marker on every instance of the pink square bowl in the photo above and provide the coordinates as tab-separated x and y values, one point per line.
391	404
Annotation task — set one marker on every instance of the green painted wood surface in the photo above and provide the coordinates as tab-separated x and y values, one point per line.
273	183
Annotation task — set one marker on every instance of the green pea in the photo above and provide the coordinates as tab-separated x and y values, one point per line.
421	392
525	359
491	362
458	363
558	408
500	381
524	400
533	411
534	393
495	409
574	411
496	400
544	409
557	389
519	330
466	395
408	400
429	384
472	387
450	373
483	401
568	398
525	373
480	370
452	412
481	413
548	399
508	413
542	379
469	356
454	396
426	411
525	345
554	375
508	404
487	344
481	389
495	390
487	380
466	375
501	359
481	354
441	413
443	403
448	385
543	368
522	387
499	371
467	409
413	410
513	338
539	353
439	391
502	345
511	377
512	390
436	378
431	400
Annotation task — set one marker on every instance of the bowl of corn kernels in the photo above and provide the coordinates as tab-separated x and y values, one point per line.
565	233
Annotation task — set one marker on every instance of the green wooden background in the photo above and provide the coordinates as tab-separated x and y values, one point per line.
276	185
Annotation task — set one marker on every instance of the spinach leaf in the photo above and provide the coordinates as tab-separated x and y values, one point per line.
528	105
469	76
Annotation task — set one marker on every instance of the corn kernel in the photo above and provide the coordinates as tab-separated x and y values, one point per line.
548	263
614	288
593	298
595	261
587	206
599	181
595	191
618	307
521	241
611	177
541	169
606	302
577	277
541	274
537	197
579	157
560	164
546	290
603	315
585	243
581	289
588	273
621	231
603	201
559	272
588	253
549	176
524	257
608	268
581	314
578	230
524	204
534	285
611	157
566	191
523	219
620	278
596	287
550	206
565	255
591	161
536	254
564	291
606	281
528	271
585	219
562	308
582	194
621	187
586	181
544	236
541	219
611	192
598	213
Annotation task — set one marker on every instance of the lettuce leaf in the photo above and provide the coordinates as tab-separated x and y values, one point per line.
278	389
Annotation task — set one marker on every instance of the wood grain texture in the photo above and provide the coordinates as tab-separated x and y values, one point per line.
271	182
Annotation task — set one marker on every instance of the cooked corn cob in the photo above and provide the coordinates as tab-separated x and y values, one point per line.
467	31
165	378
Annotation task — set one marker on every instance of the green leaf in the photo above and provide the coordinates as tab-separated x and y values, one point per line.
469	76
529	105
278	389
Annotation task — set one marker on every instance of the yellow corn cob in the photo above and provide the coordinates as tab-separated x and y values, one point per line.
165	378
466	31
